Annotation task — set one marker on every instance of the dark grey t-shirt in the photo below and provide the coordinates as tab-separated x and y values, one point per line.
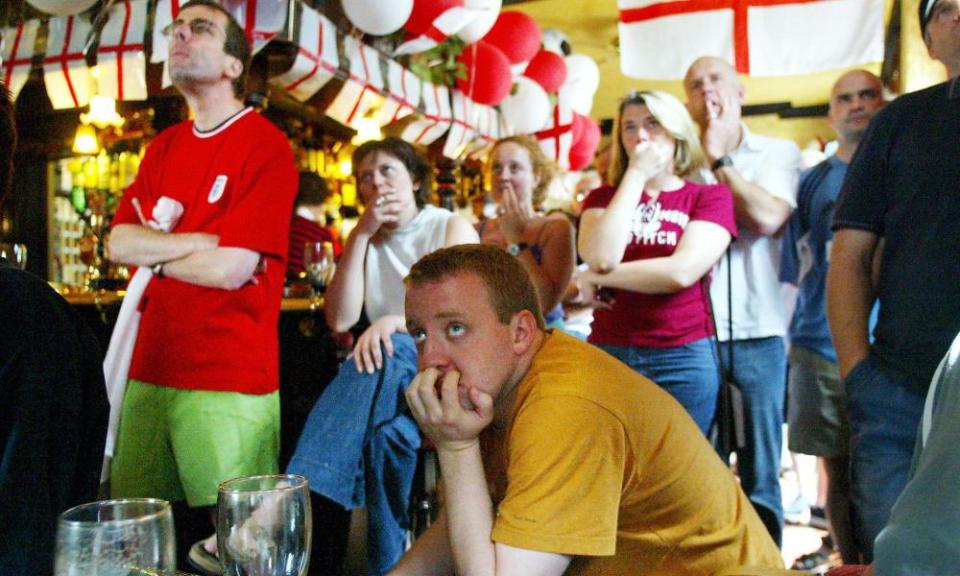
903	184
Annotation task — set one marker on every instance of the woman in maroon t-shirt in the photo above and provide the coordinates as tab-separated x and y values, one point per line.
650	240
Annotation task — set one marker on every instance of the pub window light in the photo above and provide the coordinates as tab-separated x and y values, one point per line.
85	140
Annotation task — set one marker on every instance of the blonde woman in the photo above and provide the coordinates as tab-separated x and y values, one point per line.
519	177
650	240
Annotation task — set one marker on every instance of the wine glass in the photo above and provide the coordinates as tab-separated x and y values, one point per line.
264	525
15	254
319	264
116	538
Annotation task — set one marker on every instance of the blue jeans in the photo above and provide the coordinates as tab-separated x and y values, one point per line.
688	372
359	446
884	417
760	372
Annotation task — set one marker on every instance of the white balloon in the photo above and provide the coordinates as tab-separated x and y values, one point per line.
528	109
378	17
488	11
583	79
61	7
553	40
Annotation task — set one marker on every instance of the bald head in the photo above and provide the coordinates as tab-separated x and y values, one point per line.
855	98
710	82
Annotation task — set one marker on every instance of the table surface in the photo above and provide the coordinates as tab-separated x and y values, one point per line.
111	297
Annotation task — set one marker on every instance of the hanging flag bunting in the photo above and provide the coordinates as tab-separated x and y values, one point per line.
65	71
403	94
440	21
167	11
435	119
364	86
760	37
464	127
18	49
317	60
489	129
261	19
557	138
120	57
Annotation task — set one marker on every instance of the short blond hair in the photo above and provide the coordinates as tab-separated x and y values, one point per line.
675	119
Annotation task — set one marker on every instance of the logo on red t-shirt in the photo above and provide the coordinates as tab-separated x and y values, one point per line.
216	191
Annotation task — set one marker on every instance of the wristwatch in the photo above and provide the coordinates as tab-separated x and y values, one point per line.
516	249
157	269
722	162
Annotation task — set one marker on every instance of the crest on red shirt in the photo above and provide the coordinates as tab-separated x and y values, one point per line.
216	191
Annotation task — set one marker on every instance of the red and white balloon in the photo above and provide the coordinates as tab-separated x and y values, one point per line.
488	79
487	12
586	138
583	79
528	108
517	34
61	7
378	17
547	69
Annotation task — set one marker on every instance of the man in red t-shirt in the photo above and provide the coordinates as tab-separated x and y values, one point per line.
209	213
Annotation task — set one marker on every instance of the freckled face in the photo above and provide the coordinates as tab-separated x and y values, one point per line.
512	170
456	328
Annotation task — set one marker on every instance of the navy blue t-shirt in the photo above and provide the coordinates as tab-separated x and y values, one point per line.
903	185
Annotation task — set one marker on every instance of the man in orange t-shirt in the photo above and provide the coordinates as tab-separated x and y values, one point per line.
556	457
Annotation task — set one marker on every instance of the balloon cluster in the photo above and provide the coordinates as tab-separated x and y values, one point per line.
508	61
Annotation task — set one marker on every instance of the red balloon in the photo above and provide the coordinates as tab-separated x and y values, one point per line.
584	148
576	130
488	78
516	34
547	69
425	12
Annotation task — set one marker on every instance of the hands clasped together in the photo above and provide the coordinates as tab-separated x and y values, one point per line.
722	131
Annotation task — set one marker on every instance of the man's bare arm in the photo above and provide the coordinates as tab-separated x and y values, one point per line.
755	207
224	268
850	295
430	554
144	246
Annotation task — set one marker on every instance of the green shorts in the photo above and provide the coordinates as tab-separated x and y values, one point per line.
180	444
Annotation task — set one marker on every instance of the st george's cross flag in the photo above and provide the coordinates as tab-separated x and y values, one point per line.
557	137
65	71
18	49
435	119
363	88
317	58
463	128
120	55
660	39
403	94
